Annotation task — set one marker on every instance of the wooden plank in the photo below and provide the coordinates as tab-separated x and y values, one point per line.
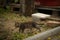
54	19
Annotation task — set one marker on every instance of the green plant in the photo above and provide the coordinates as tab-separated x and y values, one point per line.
18	36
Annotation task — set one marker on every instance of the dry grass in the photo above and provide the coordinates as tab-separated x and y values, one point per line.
9	24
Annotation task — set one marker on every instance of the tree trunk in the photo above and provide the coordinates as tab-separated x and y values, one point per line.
27	7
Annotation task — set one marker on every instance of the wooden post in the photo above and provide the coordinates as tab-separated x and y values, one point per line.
22	3
27	7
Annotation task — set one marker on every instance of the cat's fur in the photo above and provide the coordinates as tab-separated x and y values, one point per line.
23	26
